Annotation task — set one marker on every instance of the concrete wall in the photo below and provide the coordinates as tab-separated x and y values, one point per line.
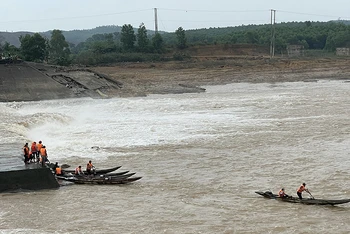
21	82
29	179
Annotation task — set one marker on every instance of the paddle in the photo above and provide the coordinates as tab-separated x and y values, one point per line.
310	194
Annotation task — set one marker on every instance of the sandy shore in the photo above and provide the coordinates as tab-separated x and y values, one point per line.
179	77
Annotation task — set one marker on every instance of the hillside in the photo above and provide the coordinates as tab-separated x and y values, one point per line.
73	36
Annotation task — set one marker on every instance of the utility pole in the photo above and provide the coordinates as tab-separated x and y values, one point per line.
273	33
155	20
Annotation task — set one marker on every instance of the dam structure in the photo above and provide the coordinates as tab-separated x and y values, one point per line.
17	176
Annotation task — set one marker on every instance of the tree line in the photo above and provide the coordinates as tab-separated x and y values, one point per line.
128	45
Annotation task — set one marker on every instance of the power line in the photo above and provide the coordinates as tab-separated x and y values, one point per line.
75	17
207	11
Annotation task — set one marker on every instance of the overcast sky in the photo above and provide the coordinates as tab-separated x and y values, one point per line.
44	15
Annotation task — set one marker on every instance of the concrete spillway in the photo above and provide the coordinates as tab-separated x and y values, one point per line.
16	176
21	82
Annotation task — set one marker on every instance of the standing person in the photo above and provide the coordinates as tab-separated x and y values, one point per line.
301	189
39	146
26	153
43	154
90	167
34	150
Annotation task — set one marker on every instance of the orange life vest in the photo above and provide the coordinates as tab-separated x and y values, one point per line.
281	193
39	146
89	166
33	148
43	152
301	189
58	171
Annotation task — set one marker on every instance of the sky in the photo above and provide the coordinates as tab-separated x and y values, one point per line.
44	15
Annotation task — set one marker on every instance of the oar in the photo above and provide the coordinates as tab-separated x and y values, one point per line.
310	194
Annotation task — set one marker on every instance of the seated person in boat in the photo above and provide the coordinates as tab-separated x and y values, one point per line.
282	194
90	168
58	170
79	171
301	189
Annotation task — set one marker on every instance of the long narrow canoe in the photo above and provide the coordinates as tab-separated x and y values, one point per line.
121	179
94	176
113	181
97	172
307	201
74	178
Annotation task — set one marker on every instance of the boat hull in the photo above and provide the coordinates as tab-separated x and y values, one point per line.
307	201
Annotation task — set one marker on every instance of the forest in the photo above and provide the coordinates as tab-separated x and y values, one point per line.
122	44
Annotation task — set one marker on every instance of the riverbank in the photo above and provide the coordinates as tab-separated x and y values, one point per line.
174	77
33	82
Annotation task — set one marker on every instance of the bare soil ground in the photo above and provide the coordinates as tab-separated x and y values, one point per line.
186	76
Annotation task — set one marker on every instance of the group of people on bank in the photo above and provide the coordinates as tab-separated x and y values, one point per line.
36	153
302	188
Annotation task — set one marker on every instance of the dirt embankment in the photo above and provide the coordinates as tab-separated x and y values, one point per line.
178	77
32	82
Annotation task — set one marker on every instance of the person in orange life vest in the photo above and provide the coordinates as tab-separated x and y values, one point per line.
90	168
34	150
301	189
26	153
43	154
39	146
58	171
282	194
79	171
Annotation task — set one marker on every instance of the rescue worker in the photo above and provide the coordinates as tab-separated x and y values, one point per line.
39	146
43	154
79	171
301	189
26	153
34	150
58	171
90	168
282	194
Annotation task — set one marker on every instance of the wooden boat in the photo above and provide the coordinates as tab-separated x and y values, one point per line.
108	181
96	176
97	171
120	179
307	201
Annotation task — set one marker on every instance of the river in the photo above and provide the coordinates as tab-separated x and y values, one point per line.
202	157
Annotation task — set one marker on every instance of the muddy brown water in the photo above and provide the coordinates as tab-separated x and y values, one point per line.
201	156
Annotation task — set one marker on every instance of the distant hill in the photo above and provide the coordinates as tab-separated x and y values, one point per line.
74	36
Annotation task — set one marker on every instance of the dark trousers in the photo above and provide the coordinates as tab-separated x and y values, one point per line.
26	158
299	195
